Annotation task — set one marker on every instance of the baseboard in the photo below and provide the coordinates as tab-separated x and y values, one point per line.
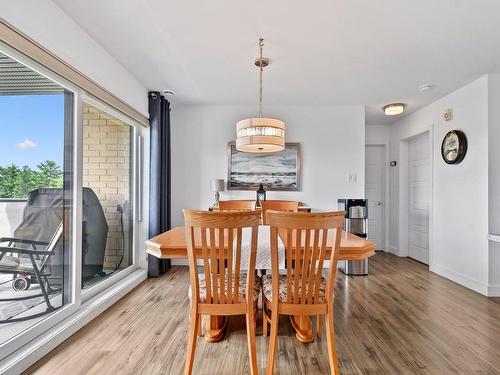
494	291
179	262
26	356
463	280
394	250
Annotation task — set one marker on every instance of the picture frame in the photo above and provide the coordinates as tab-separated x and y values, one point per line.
277	171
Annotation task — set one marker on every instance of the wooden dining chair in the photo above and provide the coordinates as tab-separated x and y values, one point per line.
309	240
214	242
275	205
236	205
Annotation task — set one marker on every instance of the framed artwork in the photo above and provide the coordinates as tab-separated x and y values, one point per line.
278	171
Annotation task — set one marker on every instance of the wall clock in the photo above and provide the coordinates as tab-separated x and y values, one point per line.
454	147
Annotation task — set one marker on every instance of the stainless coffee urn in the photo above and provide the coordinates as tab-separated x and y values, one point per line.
356	222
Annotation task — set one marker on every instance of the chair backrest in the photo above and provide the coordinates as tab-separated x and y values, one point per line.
275	205
237	205
214	239
52	243
310	239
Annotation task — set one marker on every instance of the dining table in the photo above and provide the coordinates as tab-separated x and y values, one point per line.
172	245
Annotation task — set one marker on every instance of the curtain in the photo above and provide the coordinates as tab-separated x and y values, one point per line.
159	185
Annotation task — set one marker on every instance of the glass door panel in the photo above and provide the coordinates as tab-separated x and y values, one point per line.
36	198
107	246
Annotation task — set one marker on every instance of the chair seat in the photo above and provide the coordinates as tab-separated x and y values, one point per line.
267	286
16	263
241	289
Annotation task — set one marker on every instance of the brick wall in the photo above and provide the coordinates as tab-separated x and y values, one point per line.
106	154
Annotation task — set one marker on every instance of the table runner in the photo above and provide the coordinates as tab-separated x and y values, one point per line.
263	259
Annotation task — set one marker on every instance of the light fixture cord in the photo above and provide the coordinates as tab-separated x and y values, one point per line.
261	76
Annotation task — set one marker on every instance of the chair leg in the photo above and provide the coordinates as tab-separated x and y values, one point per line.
199	325
271	354
264	322
191	347
252	351
330	338
40	283
319	326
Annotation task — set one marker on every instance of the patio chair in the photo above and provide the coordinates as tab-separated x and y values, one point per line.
31	264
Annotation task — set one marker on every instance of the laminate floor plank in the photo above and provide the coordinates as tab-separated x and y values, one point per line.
401	319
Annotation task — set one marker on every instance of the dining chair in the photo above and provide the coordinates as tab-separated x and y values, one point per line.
237	205
310	239
214	242
276	205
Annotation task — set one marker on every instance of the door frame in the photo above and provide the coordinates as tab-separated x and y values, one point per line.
386	186
404	192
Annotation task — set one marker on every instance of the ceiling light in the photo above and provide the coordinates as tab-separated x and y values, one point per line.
394	109
425	87
260	134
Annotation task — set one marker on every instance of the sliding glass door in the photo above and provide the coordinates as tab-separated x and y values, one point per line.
70	190
36	201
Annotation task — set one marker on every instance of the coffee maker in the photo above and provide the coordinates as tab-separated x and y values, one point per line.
356	222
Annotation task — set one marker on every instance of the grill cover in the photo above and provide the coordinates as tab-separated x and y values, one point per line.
44	212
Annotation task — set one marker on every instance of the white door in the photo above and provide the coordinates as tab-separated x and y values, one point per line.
374	192
419	185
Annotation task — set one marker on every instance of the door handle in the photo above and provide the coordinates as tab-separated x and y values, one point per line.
378	203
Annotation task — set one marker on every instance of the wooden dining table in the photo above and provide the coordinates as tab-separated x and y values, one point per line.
172	245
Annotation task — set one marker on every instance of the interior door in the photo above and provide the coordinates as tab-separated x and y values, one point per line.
374	192
419	185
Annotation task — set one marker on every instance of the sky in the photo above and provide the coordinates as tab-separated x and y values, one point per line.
31	129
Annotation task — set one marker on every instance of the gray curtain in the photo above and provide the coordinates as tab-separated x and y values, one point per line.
159	184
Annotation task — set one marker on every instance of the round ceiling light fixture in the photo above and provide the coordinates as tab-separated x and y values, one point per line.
425	87
394	109
260	134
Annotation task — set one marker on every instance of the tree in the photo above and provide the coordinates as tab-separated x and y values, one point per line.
17	182
50	174
8	176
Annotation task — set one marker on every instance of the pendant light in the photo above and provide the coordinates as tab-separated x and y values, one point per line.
260	134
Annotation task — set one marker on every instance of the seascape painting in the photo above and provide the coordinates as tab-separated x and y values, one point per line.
276	171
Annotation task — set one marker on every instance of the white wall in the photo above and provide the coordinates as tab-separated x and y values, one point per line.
332	145
48	25
459	218
377	134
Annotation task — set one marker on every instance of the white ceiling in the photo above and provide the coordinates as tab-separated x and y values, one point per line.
324	52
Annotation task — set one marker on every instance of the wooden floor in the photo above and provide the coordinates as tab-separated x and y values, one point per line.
401	319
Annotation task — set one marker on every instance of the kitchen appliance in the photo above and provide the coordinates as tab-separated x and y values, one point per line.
356	222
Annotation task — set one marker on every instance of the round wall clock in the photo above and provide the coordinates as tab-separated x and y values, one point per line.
454	147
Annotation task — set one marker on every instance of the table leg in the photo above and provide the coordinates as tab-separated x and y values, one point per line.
215	328
303	328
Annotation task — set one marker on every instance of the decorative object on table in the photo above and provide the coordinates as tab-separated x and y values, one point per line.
217	185
260	134
278	171
454	147
261	195
356	222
